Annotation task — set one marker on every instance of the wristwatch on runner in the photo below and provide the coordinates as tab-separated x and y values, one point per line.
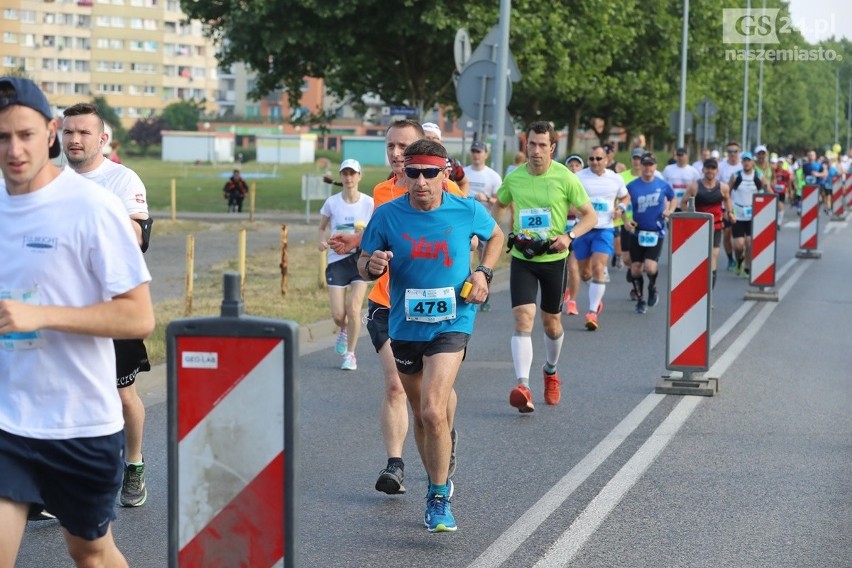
489	274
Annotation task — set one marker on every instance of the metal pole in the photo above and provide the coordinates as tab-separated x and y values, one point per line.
502	90
849	115
745	85
837	105
760	90
684	43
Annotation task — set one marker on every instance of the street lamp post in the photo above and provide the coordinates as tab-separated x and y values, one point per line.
681	126
745	83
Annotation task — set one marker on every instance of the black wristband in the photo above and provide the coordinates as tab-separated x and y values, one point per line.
372	275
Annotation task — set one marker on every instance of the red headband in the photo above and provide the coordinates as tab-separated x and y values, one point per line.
423	159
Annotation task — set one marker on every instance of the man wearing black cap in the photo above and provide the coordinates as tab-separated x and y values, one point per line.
72	277
680	174
484	181
653	203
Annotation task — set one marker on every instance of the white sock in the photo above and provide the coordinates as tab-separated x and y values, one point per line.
522	356
552	348
596	294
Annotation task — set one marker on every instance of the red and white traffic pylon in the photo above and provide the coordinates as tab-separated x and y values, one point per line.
690	249
847	190
838	211
809	223
764	233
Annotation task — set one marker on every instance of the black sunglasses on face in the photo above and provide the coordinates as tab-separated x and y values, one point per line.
596	158
428	173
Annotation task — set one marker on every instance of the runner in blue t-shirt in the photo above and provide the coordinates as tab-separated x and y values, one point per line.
653	201
424	239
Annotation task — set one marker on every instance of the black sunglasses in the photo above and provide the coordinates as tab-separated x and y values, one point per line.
428	173
732	151
596	158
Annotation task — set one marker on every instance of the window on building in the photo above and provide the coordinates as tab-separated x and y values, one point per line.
10	61
10	14
9	37
28	16
81	89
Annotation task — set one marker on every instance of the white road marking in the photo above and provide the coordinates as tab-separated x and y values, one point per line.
584	526
573	539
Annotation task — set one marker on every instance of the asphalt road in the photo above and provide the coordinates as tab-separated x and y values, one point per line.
758	475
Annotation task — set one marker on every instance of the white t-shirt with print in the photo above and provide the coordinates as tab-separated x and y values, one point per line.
123	182
66	244
603	190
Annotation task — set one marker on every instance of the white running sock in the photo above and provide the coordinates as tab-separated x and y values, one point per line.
522	356
596	294
552	348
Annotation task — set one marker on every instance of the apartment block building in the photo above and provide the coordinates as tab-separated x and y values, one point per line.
140	55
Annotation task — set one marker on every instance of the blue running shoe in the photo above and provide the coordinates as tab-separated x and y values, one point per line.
438	516
341	344
732	264
431	519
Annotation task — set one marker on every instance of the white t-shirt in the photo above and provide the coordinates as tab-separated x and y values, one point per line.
726	170
603	190
743	194
680	178
123	182
343	216
485	181
66	244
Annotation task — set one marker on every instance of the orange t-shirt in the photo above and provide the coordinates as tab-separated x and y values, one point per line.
382	193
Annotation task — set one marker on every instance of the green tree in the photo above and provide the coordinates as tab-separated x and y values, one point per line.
147	132
111	117
400	50
182	115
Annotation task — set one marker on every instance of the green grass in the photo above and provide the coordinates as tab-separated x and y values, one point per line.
199	187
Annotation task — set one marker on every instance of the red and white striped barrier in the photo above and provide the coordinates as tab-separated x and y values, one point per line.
688	332
838	211
231	416
847	190
809	223
764	233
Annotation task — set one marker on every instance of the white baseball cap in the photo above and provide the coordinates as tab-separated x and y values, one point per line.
351	164
714	154
760	149
433	128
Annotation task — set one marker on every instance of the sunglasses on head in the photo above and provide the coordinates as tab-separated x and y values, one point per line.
595	158
428	173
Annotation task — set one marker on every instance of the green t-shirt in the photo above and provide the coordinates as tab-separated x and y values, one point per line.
627	176
541	203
